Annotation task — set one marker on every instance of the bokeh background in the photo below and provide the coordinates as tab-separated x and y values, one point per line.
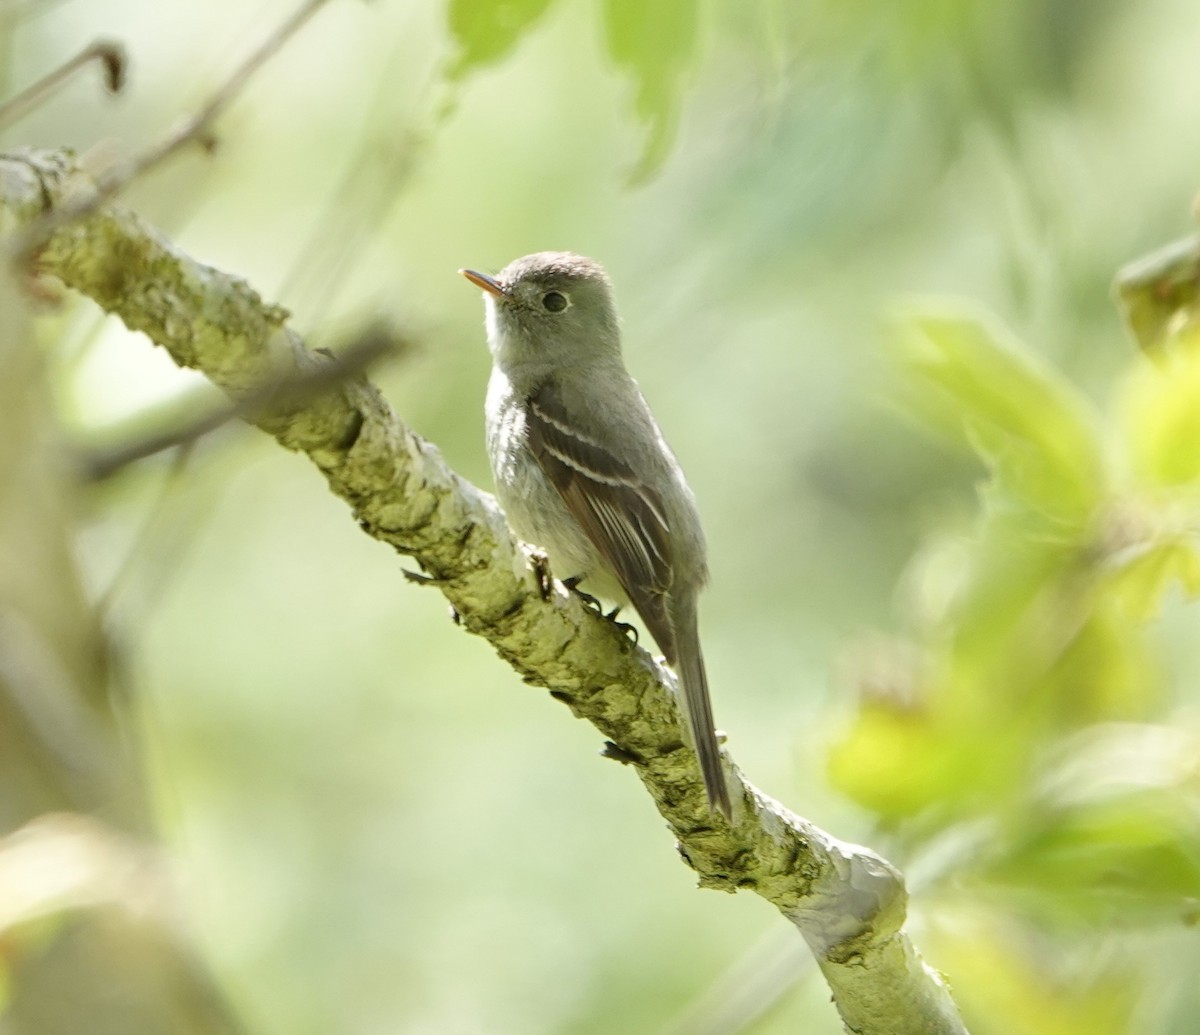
373	825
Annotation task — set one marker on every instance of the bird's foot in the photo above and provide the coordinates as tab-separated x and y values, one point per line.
625	628
620	754
573	585
420	577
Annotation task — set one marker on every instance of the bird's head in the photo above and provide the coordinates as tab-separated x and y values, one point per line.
550	307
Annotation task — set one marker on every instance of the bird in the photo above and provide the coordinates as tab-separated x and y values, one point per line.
583	471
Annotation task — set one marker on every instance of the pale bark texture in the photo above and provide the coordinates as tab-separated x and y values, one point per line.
847	902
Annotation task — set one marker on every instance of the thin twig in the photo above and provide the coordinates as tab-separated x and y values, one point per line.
293	391
196	126
110	55
152	517
358	205
754	984
193	128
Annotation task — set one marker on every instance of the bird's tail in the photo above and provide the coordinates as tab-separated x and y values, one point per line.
689	664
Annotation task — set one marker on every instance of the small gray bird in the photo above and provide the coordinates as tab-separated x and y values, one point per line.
583	471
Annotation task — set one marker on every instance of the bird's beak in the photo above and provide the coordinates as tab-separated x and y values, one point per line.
489	284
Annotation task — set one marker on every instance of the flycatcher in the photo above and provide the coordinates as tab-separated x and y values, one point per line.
583	471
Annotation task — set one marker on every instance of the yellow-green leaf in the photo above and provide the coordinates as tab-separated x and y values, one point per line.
1142	581
486	30
654	43
1162	418
976	386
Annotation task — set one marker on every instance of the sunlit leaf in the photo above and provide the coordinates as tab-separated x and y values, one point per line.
486	30
1143	580
1019	606
1162	416
1018	983
930	740
892	762
654	44
1114	828
1036	433
1034	639
1103	672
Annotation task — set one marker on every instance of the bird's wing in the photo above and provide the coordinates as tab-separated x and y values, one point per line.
622	516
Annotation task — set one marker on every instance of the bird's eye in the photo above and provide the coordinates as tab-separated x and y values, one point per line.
554	301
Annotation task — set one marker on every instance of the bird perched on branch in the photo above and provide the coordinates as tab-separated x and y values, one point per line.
583	471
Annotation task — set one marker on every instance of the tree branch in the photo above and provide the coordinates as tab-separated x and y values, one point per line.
374	344
847	902
109	54
196	127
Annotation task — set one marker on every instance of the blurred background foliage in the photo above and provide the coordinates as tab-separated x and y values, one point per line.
952	542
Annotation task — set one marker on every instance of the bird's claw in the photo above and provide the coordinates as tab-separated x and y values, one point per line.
572	584
625	628
620	754
420	578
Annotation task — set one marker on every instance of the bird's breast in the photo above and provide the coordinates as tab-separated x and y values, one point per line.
532	505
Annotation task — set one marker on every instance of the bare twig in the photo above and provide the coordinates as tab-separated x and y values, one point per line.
110	55
194	128
152	517
749	989
294	390
357	207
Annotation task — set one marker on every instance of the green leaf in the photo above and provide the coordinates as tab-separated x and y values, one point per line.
893	761
486	30
1114	829
1161	410
654	43
1142	581
974	385
1159	294
1103	672
1029	985
1031	640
